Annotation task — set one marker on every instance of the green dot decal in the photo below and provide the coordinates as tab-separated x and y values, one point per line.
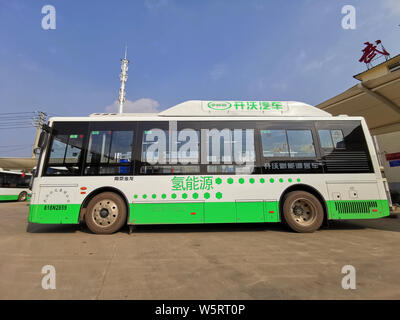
241	180
135	196
218	181
262	180
271	180
290	180
298	179
164	196
154	196
207	195
280	180
218	195
184	196
195	195
173	196
144	196
230	180
251	180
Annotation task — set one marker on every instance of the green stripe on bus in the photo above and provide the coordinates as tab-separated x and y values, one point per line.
8	197
209	212
54	213
358	209
204	212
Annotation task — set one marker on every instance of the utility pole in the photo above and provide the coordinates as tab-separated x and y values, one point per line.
123	77
42	117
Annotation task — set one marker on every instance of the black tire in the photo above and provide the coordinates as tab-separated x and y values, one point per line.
106	213
302	211
22	196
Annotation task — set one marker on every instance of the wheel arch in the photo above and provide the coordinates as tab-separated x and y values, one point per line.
21	193
98	191
306	188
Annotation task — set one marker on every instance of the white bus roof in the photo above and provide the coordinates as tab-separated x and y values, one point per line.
14	171
199	108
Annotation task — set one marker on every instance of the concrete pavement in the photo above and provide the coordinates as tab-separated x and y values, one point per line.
253	261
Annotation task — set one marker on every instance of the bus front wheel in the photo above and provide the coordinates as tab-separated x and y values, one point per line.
106	213
302	211
22	196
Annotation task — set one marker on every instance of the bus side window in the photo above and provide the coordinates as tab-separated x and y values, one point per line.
65	154
287	144
109	152
165	152
331	139
155	147
338	139
301	144
274	143
325	139
99	147
12	180
188	146
58	149
231	151
121	147
66	149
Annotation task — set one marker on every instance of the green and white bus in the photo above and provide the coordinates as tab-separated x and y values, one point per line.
208	162
14	185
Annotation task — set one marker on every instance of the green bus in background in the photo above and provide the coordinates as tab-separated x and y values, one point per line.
14	185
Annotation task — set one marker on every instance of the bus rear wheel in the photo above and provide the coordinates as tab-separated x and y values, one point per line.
22	196
106	213
302	211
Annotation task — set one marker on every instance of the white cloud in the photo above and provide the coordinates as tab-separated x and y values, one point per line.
259	4
393	6
218	71
155	4
281	86
266	85
315	64
138	106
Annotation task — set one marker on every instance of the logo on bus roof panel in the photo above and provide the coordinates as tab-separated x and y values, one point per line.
251	106
219	105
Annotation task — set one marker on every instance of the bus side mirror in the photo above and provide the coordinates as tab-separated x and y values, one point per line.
36	151
32	177
42	140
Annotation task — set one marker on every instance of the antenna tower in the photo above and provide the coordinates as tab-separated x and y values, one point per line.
123	77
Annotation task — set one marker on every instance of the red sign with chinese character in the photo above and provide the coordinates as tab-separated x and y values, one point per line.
370	51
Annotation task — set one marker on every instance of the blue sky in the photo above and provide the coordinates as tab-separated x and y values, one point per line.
180	50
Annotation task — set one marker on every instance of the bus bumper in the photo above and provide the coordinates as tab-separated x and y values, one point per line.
54	214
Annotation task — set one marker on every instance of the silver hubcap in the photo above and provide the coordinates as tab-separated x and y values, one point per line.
105	213
303	212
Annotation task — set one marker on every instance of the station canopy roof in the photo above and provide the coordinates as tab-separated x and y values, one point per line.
25	164
377	100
